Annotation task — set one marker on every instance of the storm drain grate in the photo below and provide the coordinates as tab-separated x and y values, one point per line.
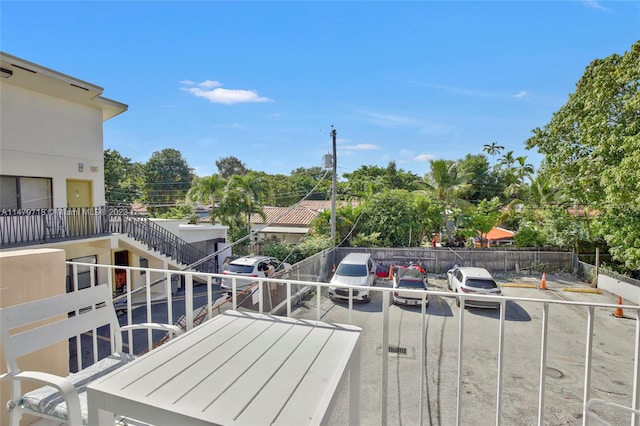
398	350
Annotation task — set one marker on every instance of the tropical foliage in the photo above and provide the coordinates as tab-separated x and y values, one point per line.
585	194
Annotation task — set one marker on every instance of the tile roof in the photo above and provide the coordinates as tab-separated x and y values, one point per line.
500	234
299	216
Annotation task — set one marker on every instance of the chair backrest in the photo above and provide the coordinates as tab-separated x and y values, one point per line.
34	325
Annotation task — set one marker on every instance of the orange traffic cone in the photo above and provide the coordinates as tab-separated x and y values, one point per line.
543	283
618	312
391	272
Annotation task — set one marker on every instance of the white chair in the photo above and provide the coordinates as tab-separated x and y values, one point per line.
62	399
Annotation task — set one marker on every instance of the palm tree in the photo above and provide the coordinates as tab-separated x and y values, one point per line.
522	172
251	191
243	196
443	180
493	150
507	160
207	189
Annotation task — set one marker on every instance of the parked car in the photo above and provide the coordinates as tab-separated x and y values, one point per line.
471	280
253	267
412	278
357	269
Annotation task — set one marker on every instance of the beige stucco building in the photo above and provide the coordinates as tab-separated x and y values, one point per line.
52	189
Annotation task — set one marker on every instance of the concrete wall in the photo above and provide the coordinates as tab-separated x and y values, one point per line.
27	275
626	290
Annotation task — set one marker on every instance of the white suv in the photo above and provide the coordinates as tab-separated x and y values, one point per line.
355	269
254	267
465	279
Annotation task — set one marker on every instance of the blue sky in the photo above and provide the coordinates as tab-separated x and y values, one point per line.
265	81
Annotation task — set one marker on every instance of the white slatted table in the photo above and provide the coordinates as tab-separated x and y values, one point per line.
237	369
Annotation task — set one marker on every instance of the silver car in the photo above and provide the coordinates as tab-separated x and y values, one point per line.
356	269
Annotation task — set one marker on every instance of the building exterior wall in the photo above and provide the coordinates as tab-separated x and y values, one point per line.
45	136
46	278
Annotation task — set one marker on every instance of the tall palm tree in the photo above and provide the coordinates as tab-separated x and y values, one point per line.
493	149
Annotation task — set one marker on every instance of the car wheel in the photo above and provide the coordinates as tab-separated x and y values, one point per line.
457	301
366	299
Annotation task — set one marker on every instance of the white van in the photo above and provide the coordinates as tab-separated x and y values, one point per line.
356	269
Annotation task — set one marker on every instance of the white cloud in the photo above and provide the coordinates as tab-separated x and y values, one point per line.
423	158
208	84
521	94
594	4
361	147
211	90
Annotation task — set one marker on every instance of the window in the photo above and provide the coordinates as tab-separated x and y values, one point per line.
20	192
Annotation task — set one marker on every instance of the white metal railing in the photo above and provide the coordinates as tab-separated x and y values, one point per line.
214	301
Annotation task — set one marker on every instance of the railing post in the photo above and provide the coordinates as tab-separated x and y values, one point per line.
188	295
385	358
636	373
543	362
587	364
460	352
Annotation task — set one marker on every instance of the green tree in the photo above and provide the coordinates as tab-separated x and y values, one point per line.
207	190
303	180
481	219
592	146
399	218
522	173
347	224
370	179
167	180
481	181
244	195
123	179
445	182
229	166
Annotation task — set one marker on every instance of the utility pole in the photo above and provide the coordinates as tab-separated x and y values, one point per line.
333	187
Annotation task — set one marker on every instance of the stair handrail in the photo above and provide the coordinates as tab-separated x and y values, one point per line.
141	228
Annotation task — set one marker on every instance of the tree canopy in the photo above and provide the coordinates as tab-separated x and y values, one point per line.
167	180
592	146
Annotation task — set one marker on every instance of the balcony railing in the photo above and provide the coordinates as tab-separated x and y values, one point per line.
526	393
39	226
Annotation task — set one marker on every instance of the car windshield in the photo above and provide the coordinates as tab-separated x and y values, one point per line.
410	274
351	270
480	283
240	269
411	283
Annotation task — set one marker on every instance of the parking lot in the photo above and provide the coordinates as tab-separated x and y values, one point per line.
612	364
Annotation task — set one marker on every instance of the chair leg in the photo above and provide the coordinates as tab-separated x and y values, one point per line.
15	414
